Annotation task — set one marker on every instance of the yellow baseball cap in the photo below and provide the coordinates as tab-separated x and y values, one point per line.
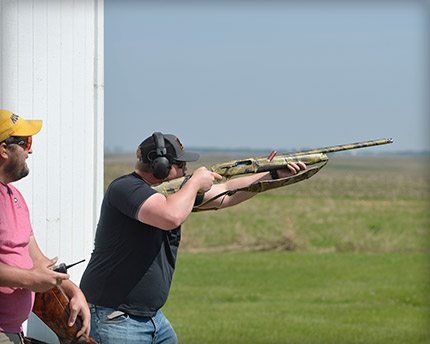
13	125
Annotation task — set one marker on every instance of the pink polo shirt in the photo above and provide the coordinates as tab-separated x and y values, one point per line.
15	233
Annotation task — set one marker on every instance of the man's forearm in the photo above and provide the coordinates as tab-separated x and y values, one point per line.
232	184
13	277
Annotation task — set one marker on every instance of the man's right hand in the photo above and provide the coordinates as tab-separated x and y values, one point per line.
205	178
43	278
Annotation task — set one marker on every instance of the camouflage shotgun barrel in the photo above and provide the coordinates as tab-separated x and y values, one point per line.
339	148
263	164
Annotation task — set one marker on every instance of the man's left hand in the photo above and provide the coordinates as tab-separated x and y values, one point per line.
292	169
79	307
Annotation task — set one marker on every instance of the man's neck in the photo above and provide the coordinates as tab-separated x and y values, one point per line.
4	178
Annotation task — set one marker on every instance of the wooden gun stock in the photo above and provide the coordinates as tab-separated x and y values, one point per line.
52	307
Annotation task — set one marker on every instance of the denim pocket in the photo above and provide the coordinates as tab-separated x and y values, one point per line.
110	315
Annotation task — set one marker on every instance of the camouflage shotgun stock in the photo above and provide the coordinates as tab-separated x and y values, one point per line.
263	164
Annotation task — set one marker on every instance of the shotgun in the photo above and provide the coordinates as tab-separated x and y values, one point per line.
273	162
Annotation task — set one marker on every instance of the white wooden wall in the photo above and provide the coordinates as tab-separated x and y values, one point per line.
51	68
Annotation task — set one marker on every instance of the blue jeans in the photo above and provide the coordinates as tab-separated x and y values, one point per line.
112	327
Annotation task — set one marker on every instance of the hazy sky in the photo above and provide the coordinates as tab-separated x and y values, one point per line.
267	74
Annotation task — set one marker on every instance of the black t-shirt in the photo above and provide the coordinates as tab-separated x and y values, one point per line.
132	264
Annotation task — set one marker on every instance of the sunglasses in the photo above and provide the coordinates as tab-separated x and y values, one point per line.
180	164
23	141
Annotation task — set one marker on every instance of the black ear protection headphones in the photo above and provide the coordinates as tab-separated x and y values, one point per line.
161	165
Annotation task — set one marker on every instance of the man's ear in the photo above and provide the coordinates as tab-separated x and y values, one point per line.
3	152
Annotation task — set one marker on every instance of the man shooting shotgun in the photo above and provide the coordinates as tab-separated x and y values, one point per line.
128	278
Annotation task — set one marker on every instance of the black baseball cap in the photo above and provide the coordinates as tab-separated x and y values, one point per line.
175	149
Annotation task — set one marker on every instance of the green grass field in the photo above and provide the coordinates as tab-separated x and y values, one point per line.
281	297
340	258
